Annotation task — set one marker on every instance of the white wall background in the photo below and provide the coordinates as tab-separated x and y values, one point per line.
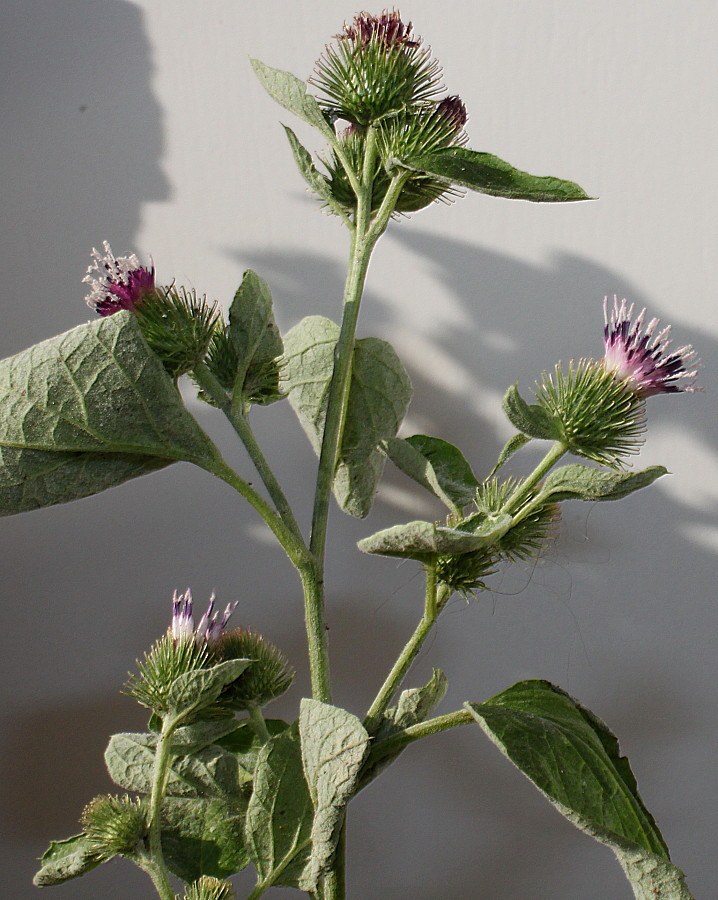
141	123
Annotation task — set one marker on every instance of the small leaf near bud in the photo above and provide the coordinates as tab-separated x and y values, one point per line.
115	826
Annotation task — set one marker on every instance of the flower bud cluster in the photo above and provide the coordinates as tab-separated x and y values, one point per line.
380	76
187	647
526	538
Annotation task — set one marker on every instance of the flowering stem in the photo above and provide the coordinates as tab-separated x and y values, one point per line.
513	504
366	233
257	721
158	872
434	603
240	422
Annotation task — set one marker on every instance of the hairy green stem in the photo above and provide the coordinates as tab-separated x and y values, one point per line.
295	548
239	420
432	607
335	885
257	721
397	742
157	869
513	504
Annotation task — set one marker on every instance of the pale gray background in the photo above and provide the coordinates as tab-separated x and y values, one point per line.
141	123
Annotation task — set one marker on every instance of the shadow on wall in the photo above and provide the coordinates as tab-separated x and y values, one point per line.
80	152
81	149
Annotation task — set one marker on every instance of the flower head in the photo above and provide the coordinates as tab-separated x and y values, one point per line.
377	69
117	282
637	356
210	627
386	29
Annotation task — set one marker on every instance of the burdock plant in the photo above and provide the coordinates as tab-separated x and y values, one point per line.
213	786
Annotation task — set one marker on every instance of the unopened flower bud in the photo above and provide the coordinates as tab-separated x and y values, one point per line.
266	678
207	888
115	826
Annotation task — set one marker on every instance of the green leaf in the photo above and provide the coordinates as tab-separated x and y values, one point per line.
424	540
379	395
577	482
253	333
510	447
200	734
245	744
436	465
212	770
414	706
309	172
201	687
87	410
574	760
291	93
334	744
64	860
280	813
530	419
204	837
488	174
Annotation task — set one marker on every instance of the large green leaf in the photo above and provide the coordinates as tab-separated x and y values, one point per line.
87	410
245	744
291	93
435	464
574	760
212	770
204	837
253	333
379	395
280	813
488	174
64	860
334	744
577	482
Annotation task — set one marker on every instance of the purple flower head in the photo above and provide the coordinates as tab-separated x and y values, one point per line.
386	29
453	110
117	282
641	358
210	627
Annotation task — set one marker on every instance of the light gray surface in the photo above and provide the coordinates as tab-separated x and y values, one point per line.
141	124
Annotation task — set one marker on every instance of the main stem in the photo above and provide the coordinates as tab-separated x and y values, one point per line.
432	607
360	253
158	870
